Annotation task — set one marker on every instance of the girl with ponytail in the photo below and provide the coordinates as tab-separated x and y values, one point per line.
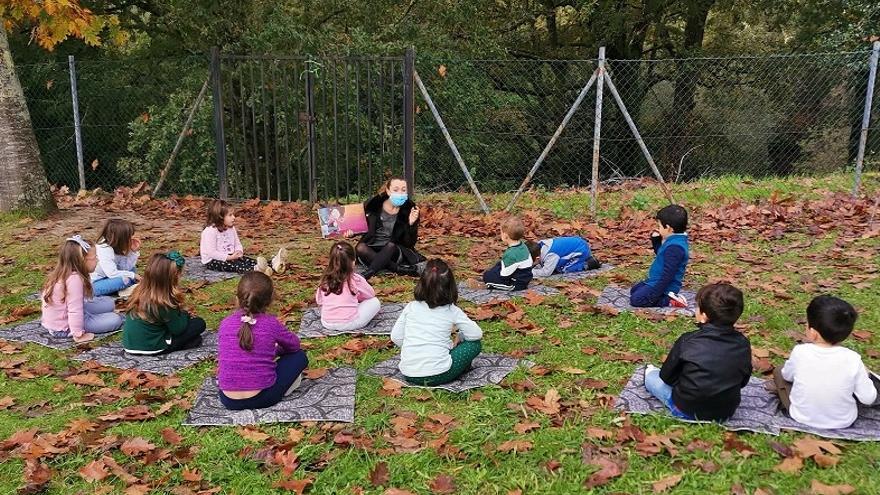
250	339
347	300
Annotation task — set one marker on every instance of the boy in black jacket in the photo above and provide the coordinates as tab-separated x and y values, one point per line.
705	370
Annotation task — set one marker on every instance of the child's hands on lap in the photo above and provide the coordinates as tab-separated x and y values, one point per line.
86	337
236	255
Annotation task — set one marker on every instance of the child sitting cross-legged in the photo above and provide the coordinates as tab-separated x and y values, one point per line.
221	249
705	370
250	340
561	255
68	308
156	322
514	271
347	300
821	380
117	251
670	243
423	331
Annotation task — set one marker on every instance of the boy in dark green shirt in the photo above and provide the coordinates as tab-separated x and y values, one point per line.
514	271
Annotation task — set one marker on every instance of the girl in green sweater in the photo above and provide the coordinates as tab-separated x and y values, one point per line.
156	322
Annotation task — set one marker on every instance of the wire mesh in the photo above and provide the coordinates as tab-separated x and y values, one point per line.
732	118
131	113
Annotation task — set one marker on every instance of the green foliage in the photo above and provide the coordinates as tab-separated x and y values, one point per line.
152	138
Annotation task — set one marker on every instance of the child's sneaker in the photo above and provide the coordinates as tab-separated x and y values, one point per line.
279	262
126	292
295	385
262	266
650	368
677	300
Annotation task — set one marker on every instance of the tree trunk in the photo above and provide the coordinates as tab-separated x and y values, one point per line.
23	184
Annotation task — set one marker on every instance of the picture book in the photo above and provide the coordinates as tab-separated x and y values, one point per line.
335	220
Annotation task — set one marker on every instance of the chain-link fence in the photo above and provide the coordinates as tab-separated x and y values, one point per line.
732	118
735	118
131	113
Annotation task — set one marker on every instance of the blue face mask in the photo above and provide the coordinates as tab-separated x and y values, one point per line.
398	199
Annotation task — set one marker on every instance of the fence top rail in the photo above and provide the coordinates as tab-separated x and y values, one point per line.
233	56
434	58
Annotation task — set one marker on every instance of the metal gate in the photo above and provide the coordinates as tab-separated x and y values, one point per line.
310	128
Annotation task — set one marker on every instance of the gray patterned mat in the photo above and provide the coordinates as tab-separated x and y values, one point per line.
483	296
486	369
33	331
758	412
618	298
381	324
114	355
195	270
328	398
580	275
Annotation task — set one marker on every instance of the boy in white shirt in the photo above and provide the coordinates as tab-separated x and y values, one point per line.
821	380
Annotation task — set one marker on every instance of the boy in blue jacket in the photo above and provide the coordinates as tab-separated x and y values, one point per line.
670	242
561	255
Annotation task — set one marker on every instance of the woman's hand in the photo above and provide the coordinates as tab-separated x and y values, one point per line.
348	234
413	215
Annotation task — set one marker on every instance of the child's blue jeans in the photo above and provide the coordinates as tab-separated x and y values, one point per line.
663	391
107	286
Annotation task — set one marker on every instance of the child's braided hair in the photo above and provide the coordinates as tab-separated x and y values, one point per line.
255	294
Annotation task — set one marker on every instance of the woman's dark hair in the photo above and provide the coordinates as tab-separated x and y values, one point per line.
117	233
339	269
722	303
436	286
832	317
673	216
255	293
217	211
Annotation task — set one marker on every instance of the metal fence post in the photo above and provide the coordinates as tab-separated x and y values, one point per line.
77	129
312	137
219	137
597	130
409	67
866	117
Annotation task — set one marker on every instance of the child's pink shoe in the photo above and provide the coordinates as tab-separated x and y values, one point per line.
677	300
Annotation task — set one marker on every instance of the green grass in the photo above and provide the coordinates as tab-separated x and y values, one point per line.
485	418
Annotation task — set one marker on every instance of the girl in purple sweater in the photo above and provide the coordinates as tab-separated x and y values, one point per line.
347	300
248	374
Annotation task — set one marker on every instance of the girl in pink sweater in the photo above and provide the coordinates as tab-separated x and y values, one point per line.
347	300
221	249
68	307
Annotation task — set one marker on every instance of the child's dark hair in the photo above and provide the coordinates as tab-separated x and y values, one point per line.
255	293
117	233
673	216
513	227
339	269
832	317
217	211
534	249
436	286
722	303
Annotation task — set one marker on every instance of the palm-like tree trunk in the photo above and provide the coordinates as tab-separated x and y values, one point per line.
23	184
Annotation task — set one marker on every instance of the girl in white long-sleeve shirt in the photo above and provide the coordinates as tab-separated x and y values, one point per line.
423	331
118	250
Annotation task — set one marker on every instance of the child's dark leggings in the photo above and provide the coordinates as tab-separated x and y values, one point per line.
190	338
242	265
643	295
287	369
462	356
783	388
